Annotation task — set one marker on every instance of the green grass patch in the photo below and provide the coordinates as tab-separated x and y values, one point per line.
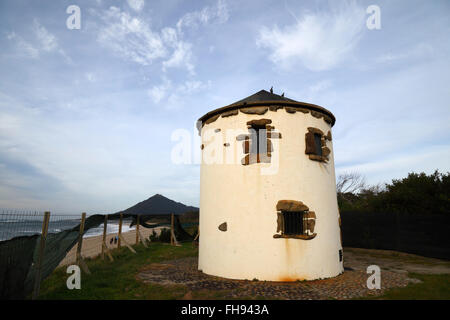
117	279
432	287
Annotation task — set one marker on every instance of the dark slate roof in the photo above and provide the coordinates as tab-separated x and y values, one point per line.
263	95
262	98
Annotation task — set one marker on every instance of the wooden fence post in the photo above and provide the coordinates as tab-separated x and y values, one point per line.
105	248
80	236
197	236
120	230
126	243
80	262
171	229
37	280
143	239
173	238
105	226
137	229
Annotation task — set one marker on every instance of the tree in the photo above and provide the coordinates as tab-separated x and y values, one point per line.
348	186
351	182
419	193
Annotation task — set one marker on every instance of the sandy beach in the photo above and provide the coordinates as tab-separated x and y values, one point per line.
92	246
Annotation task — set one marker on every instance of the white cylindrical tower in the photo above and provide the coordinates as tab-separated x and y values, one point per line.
268	206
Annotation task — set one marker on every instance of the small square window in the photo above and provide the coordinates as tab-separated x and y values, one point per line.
293	222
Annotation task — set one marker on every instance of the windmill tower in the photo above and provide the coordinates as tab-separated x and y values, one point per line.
271	213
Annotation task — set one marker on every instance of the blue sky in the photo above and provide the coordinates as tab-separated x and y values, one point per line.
86	116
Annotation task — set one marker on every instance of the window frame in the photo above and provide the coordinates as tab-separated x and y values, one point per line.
307	220
317	152
258	137
259	151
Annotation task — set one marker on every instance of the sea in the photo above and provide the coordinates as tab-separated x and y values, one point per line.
10	228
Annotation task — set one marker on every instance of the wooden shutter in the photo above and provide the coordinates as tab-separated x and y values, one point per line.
318	144
280	222
310	143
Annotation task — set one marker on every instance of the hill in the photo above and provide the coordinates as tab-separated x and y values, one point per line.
158	205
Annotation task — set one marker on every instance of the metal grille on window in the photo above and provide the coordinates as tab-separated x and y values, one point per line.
293	222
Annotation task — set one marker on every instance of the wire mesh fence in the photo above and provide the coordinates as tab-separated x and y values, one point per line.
33	243
14	223
93	240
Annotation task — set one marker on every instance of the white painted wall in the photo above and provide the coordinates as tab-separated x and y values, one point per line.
246	200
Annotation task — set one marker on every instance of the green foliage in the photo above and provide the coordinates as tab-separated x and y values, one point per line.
431	287
418	193
117	279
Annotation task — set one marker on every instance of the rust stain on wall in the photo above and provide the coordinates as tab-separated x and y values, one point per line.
286	245
290	279
292	251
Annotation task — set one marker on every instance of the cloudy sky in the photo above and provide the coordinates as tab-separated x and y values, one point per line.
87	116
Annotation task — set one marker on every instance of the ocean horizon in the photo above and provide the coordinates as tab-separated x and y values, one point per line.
11	228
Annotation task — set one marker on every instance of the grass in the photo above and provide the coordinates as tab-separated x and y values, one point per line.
432	287
116	280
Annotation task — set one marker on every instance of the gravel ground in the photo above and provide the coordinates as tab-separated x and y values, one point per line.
350	284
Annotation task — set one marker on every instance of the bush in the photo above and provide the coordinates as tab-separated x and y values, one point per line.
418	193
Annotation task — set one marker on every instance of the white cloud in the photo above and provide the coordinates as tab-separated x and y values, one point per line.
24	47
174	93
315	91
47	40
169	36
52	162
180	57
214	14
319	41
136	5
90	77
320	86
133	38
182	51
44	42
192	86
420	50
157	93
130	37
